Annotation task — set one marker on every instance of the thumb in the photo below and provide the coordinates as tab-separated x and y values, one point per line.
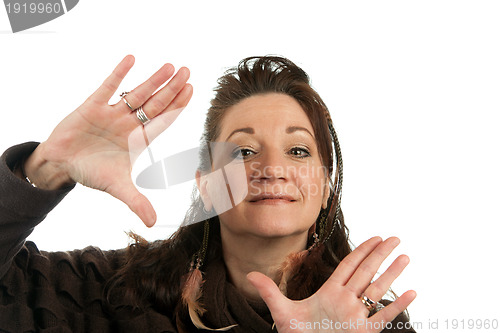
136	201
270	293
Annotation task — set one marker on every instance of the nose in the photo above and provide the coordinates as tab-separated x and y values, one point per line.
269	167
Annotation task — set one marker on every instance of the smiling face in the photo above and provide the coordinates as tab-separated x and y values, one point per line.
285	178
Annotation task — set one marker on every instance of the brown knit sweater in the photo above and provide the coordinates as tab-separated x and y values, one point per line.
63	291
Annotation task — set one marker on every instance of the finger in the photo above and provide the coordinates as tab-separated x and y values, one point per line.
161	122
107	89
270	293
136	201
377	289
350	263
364	274
182	99
142	93
390	312
165	96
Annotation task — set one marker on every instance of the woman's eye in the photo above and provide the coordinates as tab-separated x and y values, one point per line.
242	153
300	152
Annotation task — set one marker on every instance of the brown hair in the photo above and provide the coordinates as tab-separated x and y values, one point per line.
154	271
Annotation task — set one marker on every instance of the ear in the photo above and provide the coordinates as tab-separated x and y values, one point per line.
326	195
201	183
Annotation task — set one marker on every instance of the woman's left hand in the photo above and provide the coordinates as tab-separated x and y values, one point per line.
337	305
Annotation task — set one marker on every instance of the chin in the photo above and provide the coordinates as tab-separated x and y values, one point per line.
274	228
265	224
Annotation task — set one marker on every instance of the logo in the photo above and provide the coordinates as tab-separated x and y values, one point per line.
26	14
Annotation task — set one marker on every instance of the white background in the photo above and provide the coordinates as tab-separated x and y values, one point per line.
413	88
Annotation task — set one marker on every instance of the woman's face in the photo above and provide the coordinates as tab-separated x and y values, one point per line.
285	184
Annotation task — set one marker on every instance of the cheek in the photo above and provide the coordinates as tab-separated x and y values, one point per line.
311	183
311	190
237	181
227	186
217	192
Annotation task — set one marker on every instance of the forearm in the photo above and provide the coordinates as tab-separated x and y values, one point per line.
22	206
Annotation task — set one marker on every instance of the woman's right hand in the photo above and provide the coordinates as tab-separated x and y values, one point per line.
97	144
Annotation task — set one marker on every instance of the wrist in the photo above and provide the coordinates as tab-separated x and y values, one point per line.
44	174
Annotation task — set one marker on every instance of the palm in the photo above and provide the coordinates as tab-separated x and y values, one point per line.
322	309
94	143
336	306
98	143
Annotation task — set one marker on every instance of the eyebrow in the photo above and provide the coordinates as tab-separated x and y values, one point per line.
250	130
292	129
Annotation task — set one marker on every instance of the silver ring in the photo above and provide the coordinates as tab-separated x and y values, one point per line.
370	304
142	116
122	95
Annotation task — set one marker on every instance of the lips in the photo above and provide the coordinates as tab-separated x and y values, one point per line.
272	196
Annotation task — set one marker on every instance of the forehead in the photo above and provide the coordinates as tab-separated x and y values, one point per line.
264	112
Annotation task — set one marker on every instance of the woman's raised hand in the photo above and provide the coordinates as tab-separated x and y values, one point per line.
97	144
337	305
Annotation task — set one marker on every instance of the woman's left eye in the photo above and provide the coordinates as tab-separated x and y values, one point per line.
300	152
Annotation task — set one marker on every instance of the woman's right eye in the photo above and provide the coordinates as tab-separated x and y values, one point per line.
242	153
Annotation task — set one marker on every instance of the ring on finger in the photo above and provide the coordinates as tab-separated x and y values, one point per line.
122	95
369	303
141	115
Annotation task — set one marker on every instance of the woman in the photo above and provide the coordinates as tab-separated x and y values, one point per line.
282	238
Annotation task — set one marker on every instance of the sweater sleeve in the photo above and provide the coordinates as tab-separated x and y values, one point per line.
57	291
22	206
66	292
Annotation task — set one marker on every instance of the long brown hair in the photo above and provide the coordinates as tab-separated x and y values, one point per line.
154	271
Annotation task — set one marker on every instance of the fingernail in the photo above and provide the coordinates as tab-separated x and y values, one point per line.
169	67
